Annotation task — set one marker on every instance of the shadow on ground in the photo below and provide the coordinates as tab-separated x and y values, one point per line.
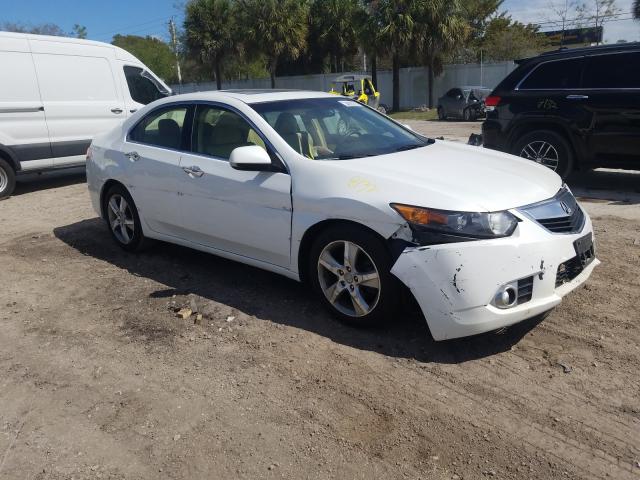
277	299
33	182
618	186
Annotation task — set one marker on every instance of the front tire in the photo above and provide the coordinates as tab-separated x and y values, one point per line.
547	148
123	220
441	114
7	179
350	271
466	115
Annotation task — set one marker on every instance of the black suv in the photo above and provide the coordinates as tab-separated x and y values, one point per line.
570	109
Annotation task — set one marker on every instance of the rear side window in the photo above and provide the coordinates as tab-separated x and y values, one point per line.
621	70
142	88
554	75
161	128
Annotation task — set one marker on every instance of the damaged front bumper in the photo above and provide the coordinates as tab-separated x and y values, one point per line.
455	284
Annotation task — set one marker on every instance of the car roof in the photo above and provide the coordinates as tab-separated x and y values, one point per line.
250	96
565	52
351	78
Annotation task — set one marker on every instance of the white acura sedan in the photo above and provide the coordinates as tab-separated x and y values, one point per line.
327	191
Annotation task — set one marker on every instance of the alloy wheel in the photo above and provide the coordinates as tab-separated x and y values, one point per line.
121	219
349	278
543	153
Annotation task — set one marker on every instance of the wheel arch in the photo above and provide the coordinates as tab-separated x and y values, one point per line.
9	156
103	191
312	233
539	125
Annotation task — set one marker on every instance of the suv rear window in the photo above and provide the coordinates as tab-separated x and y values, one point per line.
620	70
553	75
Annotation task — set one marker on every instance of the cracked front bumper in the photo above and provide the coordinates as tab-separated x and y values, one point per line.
454	284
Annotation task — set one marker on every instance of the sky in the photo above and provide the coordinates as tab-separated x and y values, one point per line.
103	18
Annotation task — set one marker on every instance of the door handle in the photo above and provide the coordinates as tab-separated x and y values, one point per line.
133	110
133	156
577	97
193	171
117	110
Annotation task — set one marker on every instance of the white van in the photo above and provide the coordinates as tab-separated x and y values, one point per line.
56	93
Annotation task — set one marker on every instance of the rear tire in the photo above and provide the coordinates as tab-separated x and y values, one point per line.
466	115
441	115
123	220
7	179
547	148
355	286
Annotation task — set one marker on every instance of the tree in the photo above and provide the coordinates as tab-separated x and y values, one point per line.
154	53
596	13
79	31
275	28
397	29
440	28
563	14
636	9
333	26
41	29
507	39
210	32
369	35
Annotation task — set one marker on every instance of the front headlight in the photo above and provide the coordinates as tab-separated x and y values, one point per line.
469	225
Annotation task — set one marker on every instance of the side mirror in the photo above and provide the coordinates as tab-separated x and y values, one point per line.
251	157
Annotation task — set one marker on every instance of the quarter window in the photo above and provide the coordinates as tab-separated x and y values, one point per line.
620	70
218	131
161	128
556	75
142	88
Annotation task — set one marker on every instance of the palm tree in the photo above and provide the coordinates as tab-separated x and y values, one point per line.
334	28
210	32
277	28
369	35
440	28
397	22
636	9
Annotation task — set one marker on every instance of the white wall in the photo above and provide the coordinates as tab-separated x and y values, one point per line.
413	82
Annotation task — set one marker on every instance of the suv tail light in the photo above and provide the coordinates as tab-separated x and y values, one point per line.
491	102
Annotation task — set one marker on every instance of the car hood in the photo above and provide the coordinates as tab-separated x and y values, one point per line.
449	176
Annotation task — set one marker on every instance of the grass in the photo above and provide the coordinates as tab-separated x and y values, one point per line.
411	115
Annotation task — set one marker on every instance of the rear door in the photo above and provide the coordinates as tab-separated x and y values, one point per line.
152	152
612	97
23	129
79	95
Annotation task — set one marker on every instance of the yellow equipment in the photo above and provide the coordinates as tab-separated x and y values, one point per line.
360	88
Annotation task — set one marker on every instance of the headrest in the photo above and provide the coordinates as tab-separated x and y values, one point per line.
286	124
169	131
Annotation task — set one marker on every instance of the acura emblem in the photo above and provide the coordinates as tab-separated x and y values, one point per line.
566	208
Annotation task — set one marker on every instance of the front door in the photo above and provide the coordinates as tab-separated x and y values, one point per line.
612	97
152	152
242	212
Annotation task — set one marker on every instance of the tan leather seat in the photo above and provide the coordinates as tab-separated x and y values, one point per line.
300	141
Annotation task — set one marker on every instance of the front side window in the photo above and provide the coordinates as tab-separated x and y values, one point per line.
336	129
218	131
143	87
161	128
620	70
555	75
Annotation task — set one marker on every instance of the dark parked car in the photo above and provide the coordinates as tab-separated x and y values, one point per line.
466	103
570	109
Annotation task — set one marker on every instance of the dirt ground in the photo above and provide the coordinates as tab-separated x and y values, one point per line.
99	379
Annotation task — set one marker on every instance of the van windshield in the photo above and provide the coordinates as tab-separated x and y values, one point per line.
336	129
143	86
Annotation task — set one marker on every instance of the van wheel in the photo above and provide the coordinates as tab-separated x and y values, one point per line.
7	179
547	148
123	219
350	271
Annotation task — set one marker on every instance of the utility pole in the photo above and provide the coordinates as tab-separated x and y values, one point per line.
174	45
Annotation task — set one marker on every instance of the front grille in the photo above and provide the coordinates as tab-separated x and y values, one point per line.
559	214
525	289
568	270
568	224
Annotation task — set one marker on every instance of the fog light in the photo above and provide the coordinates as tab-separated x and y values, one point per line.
506	296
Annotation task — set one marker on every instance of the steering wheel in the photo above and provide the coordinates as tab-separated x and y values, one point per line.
345	131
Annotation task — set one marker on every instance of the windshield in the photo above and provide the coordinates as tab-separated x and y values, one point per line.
336	129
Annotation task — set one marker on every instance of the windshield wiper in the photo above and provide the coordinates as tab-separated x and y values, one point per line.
404	148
